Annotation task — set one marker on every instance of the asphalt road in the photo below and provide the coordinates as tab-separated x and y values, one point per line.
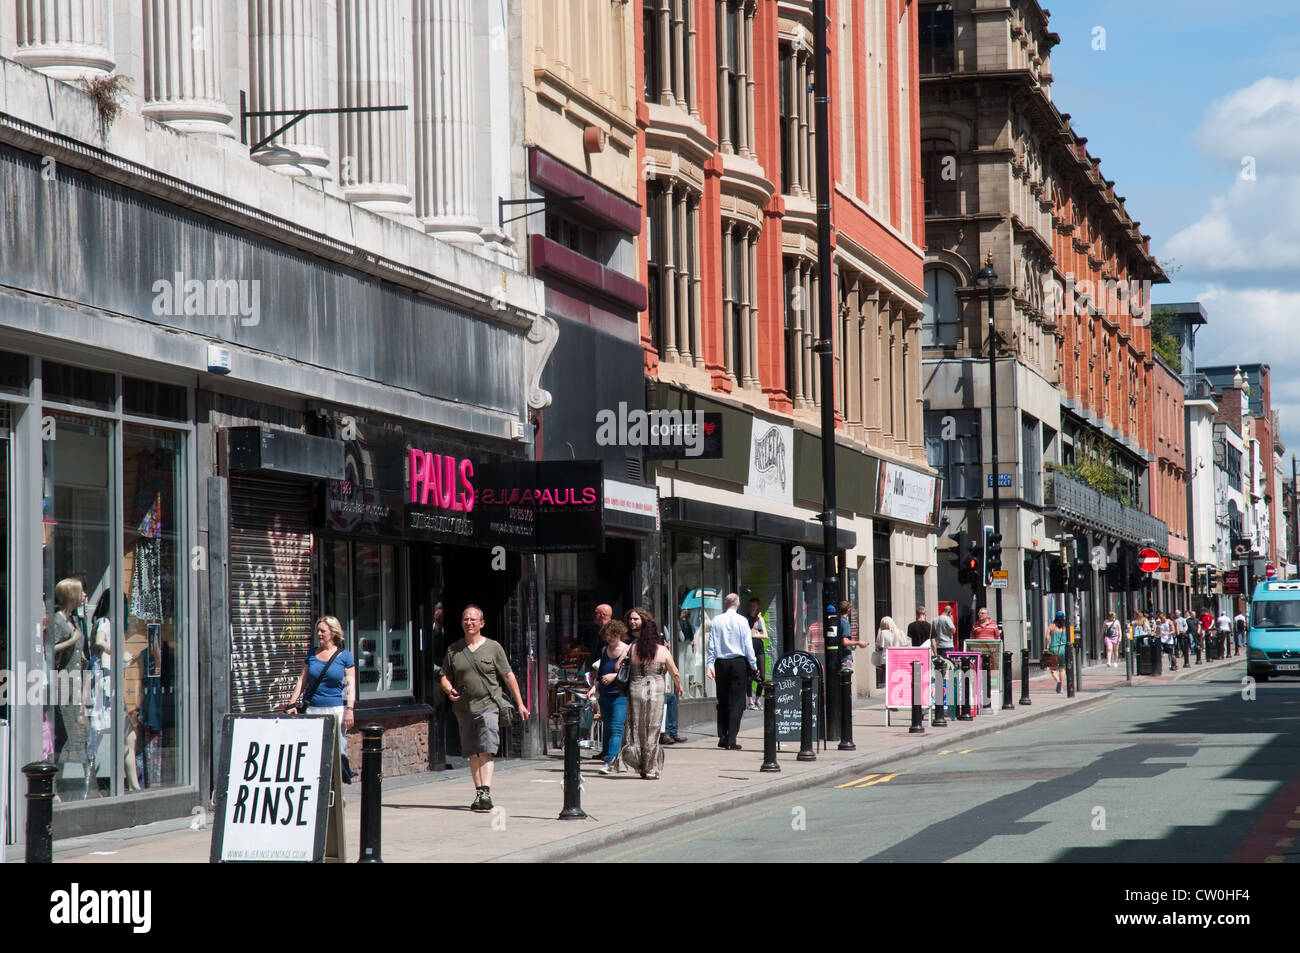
1187	771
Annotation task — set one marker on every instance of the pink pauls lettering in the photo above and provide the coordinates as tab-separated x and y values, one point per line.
433	479
543	496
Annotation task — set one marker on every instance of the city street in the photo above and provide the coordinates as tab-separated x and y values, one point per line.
1177	772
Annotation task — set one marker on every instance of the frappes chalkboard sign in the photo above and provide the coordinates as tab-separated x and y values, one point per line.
787	680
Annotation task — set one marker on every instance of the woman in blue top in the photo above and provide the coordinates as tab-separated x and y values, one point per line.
613	703
338	686
1057	645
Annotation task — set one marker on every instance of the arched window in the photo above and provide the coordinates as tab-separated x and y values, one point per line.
939	172
940	321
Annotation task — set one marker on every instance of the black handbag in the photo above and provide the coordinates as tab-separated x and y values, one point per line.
304	700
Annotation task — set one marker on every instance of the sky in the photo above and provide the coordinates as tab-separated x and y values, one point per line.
1193	107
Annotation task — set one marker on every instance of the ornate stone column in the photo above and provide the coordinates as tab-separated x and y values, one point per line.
445	160
66	40
182	66
372	146
284	71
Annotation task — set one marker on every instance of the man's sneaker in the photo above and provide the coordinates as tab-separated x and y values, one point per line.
486	802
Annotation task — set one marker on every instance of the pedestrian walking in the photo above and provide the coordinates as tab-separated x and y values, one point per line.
944	631
847	642
473	672
608	693
1110	636
1223	625
920	632
1165	629
641	624
758	632
1057	640
648	661
328	684
729	660
1180	631
1238	633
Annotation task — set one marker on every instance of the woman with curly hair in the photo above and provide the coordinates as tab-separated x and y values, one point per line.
649	661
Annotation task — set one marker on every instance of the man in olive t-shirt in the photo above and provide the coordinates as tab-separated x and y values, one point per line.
473	671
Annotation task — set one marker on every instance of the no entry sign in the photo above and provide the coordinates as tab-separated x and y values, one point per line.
1148	560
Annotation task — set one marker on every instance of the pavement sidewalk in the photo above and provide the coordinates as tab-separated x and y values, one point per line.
427	818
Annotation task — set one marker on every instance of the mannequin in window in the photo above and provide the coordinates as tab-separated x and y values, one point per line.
98	688
67	648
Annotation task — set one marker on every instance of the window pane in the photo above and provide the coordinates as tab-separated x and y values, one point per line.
369	616
76	517
152	399
14	372
77	385
156	642
397	645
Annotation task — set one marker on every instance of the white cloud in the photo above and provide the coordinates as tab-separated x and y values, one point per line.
1262	120
1254	227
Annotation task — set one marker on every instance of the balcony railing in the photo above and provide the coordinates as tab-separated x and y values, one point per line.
1075	500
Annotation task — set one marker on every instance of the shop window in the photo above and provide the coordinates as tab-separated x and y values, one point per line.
154	642
14	372
701	577
153	399
366	588
76	385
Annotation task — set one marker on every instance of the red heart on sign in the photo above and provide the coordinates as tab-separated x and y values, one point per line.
709	428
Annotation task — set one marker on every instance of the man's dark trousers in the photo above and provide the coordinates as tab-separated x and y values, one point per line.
730	674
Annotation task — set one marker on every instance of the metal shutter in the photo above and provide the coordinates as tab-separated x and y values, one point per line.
270	591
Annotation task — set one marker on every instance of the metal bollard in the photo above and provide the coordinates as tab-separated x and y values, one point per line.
1197	638
940	719
1006	682
1078	665
572	768
372	779
1128	656
806	752
1069	669
769	728
40	812
1187	653
1024	676
963	693
846	711
918	728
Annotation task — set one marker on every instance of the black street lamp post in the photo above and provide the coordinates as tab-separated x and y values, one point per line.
988	276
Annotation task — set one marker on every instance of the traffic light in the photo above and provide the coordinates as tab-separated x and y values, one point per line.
975	562
960	559
1058	577
1081	575
992	551
1211	579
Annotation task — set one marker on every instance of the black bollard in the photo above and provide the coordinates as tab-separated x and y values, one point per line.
1128	656
572	768
1197	638
806	752
1007	703
1024	676
40	812
372	781
963	711
846	711
1079	659
769	728
1187	653
940	719
1069	669
918	727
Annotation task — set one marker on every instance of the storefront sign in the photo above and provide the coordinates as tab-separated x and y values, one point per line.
898	676
771	462
633	499
542	507
787	688
276	791
1232	582
679	435
905	494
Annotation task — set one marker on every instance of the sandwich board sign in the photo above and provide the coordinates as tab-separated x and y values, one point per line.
279	790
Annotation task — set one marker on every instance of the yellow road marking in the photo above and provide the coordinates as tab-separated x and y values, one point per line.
1274	859
1294	825
967	751
881	780
946	751
1285	842
849	784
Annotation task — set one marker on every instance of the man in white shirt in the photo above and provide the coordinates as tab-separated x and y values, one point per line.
730	660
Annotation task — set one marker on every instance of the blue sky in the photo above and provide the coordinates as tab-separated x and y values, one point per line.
1184	101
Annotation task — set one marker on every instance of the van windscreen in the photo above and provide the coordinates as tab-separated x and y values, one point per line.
1283	614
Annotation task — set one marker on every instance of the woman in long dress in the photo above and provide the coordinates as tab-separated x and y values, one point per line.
641	750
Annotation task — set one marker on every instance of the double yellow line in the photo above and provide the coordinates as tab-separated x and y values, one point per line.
867	781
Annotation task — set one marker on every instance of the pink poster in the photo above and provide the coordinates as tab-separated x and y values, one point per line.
898	677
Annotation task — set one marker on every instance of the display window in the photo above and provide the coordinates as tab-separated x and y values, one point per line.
115	637
701	576
366	587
